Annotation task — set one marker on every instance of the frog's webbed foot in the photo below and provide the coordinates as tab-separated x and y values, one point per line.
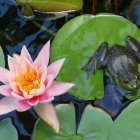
134	44
97	61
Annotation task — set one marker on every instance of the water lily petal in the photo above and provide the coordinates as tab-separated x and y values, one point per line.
36	92
12	63
5	90
58	88
25	54
11	76
15	87
43	56
17	95
23	106
42	70
48	81
48	114
55	67
25	63
3	77
24	67
45	98
33	101
27	96
7	104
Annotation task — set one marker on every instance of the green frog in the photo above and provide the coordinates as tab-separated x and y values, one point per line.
121	63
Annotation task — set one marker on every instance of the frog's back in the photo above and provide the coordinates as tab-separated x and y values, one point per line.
121	60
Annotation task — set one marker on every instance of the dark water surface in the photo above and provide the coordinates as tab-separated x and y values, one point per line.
17	30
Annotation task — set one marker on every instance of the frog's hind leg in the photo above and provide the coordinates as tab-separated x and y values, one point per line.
97	61
134	44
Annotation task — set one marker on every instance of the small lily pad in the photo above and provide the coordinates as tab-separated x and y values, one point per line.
53	5
7	130
2	60
126	126
94	124
78	40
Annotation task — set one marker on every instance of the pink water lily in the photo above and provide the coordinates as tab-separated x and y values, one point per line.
30	83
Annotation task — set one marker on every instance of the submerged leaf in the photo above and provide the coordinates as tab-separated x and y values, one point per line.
27	10
53	5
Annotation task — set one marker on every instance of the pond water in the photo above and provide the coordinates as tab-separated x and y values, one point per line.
17	30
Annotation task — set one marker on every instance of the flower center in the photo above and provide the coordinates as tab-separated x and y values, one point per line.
28	81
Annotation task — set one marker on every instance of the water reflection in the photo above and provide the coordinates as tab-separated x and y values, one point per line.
133	12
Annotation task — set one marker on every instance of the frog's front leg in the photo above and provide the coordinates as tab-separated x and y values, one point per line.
97	61
134	44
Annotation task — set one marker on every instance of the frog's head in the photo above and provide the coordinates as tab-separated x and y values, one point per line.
129	82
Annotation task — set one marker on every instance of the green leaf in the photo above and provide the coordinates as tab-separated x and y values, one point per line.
77	41
7	130
94	125
66	114
2	60
53	5
126	126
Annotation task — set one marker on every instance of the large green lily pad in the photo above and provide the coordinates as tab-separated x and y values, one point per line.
126	126
53	5
78	39
94	124
7	130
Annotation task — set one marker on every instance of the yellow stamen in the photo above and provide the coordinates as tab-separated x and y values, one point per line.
28	81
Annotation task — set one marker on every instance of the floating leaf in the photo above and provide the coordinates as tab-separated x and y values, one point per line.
53	5
7	130
27	11
2	60
77	41
126	126
94	124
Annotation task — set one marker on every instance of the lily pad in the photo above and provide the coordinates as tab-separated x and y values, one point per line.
53	5
2	60
77	41
126	126
7	130
94	124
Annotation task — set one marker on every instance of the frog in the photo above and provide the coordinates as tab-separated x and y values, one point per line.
120	61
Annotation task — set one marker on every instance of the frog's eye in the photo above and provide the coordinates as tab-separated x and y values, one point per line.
126	81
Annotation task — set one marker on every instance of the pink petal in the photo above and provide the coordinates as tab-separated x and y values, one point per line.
15	87
58	88
25	54
25	63
43	56
33	101
55	67
23	106
45	98
42	70
3	77
48	114
27	96
36	92
7	104
5	90
17	95
48	81
24	67
11	76
12	63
